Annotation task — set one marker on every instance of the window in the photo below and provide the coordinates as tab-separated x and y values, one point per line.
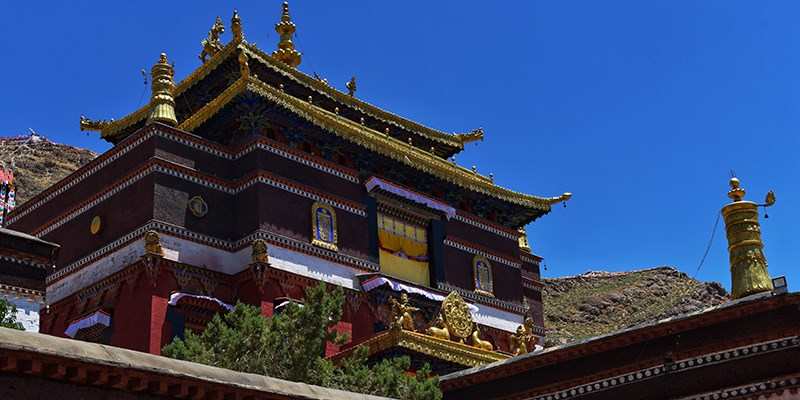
403	249
483	276
323	226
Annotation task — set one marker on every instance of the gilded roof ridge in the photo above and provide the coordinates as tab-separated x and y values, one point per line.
357	103
371	139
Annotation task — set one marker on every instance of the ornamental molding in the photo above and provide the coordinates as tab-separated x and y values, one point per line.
685	364
460	217
271	238
476	251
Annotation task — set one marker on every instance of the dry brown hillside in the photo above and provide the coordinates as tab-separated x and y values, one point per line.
38	163
596	303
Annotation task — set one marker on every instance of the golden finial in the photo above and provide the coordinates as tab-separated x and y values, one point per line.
286	28
736	192
280	87
236	27
310	99
351	86
386	131
244	67
749	273
162	104
336	110
362	120
474	169
491	177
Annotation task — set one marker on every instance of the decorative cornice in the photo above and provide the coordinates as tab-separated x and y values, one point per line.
481	251
17	292
486	226
164	228
676	366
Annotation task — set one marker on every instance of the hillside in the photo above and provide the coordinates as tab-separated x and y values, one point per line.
595	303
38	163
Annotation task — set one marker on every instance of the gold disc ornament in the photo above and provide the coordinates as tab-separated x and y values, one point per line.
457	316
96	226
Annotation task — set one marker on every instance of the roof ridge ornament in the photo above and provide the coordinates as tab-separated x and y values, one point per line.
162	103
286	28
351	86
236	27
212	45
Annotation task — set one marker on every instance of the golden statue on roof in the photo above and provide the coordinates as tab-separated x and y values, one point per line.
212	45
401	313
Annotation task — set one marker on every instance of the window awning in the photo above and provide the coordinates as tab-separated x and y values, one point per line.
98	317
375	182
376	281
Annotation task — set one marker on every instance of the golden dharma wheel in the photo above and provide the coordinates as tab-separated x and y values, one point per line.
456	316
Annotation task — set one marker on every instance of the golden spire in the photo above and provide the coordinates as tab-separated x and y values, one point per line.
749	273
162	104
286	52
236	27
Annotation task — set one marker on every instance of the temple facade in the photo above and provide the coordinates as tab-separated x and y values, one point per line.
250	180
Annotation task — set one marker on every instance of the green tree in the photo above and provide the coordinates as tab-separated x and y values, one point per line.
291	346
8	316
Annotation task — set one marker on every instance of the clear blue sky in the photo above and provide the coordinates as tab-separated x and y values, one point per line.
640	108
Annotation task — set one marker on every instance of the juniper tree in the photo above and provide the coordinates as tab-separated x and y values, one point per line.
8	315
291	346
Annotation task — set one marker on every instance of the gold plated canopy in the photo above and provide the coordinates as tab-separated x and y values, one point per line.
749	273
286	52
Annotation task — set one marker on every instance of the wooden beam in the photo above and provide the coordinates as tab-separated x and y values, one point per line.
55	371
197	393
118	381
179	391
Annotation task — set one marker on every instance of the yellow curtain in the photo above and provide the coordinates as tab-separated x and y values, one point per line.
403	250
403	268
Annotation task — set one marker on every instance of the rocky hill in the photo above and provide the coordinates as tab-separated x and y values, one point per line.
595	303
38	163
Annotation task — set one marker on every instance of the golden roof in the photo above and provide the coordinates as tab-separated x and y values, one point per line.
328	120
446	350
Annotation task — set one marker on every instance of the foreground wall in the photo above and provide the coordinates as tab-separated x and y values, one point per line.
37	366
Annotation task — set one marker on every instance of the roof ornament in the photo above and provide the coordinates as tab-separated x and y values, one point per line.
474	136
243	66
286	28
351	86
92	125
749	273
212	45
162	104
236	27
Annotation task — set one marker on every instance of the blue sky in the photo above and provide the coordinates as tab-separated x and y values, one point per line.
639	108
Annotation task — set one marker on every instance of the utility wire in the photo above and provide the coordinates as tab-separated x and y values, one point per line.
716	223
